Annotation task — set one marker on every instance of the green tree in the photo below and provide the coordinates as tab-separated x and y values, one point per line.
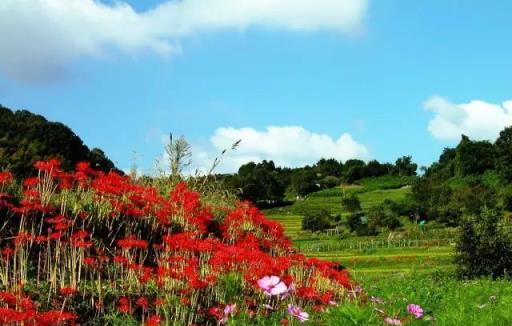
318	221
351	203
259	183
354	170
483	247
384	215
26	137
503	147
304	181
405	166
474	157
329	167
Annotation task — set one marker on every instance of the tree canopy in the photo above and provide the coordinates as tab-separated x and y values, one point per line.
26	137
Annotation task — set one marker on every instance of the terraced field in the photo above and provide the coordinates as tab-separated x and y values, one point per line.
392	260
330	199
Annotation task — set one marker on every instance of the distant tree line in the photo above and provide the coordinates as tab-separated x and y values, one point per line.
473	176
26	137
265	184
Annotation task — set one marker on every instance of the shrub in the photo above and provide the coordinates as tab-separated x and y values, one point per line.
384	216
351	203
358	223
483	248
318	221
507	198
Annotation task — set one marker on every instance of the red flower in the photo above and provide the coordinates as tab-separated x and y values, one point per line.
67	291
123	305
142	302
153	320
5	177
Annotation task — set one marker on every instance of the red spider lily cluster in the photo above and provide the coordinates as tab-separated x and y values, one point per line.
164	258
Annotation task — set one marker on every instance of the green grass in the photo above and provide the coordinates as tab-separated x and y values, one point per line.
392	260
446	302
376	197
386	182
330	200
396	272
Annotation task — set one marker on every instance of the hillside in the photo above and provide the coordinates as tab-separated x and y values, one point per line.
26	138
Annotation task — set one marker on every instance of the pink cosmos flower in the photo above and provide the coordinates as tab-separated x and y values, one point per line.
272	285
392	321
229	310
288	291
415	310
298	313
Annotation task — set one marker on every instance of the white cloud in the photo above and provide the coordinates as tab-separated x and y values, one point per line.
289	146
40	38
476	119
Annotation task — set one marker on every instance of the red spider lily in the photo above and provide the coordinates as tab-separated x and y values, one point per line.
52	318
7	252
30	182
154	320
132	242
142	302
5	177
47	166
173	250
22	237
67	291
8	298
123	305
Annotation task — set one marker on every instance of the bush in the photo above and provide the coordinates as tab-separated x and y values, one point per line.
358	223
507	198
384	216
483	248
351	203
318	221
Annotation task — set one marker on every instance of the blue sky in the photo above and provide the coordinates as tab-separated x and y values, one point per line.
395	78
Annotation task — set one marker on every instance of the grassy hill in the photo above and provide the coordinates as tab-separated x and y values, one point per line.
370	191
404	251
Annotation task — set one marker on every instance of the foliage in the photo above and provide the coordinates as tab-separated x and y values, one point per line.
384	215
304	182
473	157
258	183
318	221
503	147
484	248
351	203
26	137
405	167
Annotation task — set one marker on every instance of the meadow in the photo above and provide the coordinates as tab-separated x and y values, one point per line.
397	268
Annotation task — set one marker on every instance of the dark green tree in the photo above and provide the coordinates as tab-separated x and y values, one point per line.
26	137
405	166
329	167
351	203
305	181
503	148
484	248
318	221
259	183
474	157
354	170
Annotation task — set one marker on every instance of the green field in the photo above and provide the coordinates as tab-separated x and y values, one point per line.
330	199
407	266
